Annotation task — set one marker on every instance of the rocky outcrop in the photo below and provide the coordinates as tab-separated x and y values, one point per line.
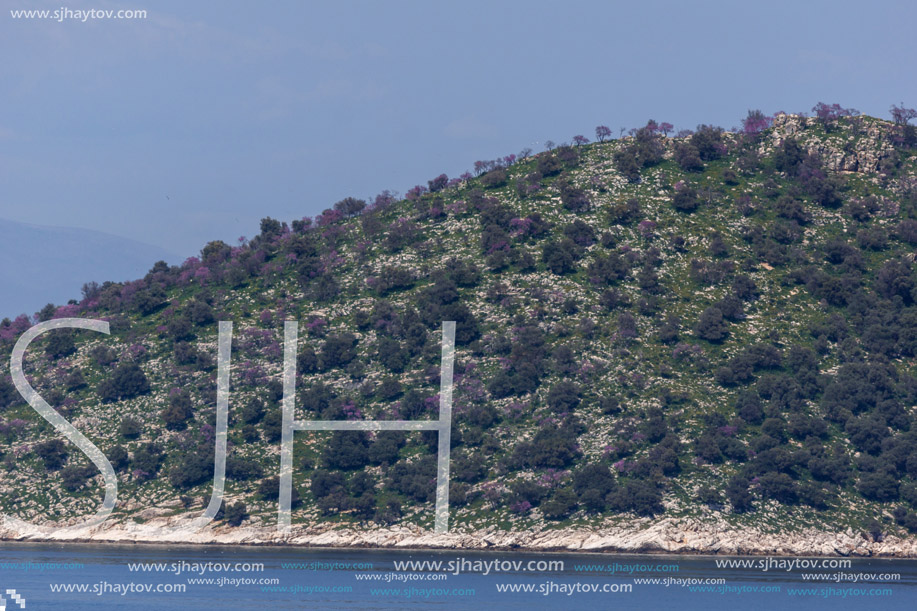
670	536
844	152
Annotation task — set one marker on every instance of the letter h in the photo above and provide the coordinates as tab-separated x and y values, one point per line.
290	424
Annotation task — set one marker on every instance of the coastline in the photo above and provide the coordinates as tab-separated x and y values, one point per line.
667	536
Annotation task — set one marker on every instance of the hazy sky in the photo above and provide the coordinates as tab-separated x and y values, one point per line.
194	123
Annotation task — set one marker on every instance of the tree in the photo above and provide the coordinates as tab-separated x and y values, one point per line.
602	132
579	140
902	115
828	114
665	127
350	206
494	178
709	142
438	184
270	228
756	122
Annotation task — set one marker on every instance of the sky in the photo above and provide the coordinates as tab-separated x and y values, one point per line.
192	124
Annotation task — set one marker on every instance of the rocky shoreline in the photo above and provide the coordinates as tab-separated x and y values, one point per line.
667	536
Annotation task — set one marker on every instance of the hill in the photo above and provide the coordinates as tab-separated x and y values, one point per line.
716	328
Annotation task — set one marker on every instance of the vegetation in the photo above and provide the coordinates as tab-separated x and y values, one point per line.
709	323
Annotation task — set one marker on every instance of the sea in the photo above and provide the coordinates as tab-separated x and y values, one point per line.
76	576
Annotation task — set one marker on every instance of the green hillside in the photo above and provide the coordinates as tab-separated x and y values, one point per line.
717	325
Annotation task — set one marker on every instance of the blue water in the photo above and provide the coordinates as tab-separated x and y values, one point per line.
368	579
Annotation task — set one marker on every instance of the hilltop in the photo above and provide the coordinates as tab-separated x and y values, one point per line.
715	328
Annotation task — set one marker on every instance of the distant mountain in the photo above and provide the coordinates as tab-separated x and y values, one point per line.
50	264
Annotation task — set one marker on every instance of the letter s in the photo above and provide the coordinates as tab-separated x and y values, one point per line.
58	422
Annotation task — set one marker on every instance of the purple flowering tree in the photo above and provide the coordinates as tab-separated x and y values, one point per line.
756	122
902	115
438	184
602	132
828	114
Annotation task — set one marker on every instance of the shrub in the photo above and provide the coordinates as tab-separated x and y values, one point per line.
738	494
878	486
561	504
708	141
119	458
494	178
179	411
468	468
573	198
253	411
325	483
416	479
640	496
624	213
127	381
550	447
593	483
75	476
338	350
74	381
193	468
130	427
686	199
8	394
200	312
386	447
628	164
711	325
52	453
236	513
60	344
269	490
549	165
560	257
688	157
243	469
147	460
564	397
780	487
347	450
